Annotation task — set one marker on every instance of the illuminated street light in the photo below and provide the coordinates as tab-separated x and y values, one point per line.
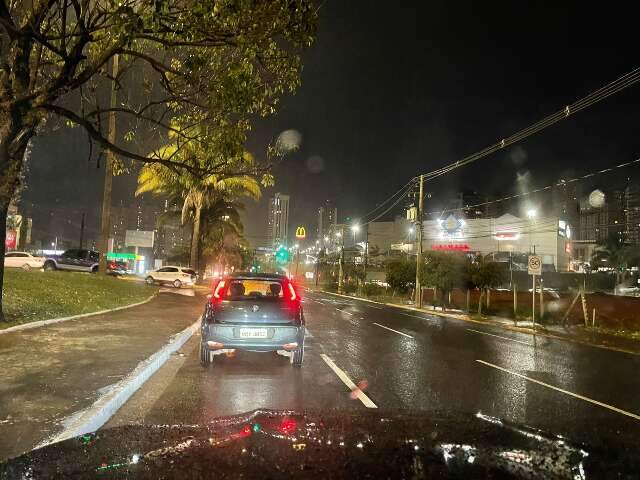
338	234
355	228
411	230
532	213
326	239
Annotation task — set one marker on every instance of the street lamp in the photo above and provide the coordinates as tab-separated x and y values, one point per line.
355	229
531	215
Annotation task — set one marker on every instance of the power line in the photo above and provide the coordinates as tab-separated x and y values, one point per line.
541	189
404	189
602	93
585	102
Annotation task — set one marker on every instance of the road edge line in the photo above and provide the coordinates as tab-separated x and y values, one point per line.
562	390
99	413
44	323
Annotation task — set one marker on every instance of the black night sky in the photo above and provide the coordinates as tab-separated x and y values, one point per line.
390	91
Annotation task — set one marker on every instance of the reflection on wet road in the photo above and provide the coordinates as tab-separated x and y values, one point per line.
362	355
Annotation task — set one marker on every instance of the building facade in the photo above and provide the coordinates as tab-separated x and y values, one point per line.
327	216
278	221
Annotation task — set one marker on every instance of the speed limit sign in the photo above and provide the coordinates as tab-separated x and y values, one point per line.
535	265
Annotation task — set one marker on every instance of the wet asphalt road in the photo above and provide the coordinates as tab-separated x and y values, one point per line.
407	360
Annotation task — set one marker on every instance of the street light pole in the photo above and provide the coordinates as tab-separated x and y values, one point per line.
340	261
105	222
418	294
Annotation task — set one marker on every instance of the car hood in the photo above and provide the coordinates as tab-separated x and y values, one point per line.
280	444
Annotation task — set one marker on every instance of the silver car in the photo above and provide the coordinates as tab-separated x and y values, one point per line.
253	312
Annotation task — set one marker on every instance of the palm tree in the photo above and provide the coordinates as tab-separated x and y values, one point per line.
196	193
614	253
222	231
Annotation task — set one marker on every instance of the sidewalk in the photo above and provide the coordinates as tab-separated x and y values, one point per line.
574	333
52	372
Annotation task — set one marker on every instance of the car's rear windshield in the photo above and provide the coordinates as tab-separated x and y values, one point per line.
189	271
254	289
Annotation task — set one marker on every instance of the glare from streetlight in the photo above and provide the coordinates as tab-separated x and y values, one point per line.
532	213
355	228
326	239
411	230
338	234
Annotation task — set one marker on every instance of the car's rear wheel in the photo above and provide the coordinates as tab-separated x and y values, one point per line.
205	355
26	267
49	266
177	283
94	269
149	280
298	356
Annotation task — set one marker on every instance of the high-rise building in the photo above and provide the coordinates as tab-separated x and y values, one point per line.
632	214
278	222
601	221
327	216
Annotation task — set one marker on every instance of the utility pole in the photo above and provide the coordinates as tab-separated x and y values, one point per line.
82	231
341	262
418	297
366	255
105	222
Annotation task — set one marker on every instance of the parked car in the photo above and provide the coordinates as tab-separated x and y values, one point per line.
76	259
253	312
176	276
116	267
23	260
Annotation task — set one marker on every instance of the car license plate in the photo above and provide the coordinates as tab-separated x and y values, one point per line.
253	333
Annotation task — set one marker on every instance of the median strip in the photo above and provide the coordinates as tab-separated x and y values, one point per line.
43	323
94	417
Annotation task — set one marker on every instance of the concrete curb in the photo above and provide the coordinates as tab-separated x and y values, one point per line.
43	323
512	328
94	417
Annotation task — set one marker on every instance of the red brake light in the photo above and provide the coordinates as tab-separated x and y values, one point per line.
288	425
217	293
292	292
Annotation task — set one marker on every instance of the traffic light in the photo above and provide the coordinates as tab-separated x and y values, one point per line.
282	255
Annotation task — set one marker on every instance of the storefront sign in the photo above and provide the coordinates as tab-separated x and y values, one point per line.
500	236
450	246
10	240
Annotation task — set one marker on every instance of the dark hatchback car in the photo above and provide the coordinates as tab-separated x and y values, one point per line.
253	312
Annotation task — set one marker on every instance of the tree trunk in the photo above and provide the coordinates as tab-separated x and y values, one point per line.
14	138
480	301
195	238
3	232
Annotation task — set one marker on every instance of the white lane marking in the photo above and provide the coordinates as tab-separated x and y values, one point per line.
314	300
344	311
374	306
566	392
348	382
498	336
391	329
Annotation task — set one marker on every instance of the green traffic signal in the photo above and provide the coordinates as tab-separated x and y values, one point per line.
282	255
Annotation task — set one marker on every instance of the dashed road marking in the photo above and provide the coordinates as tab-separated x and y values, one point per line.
344	311
360	395
498	336
561	390
391	329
